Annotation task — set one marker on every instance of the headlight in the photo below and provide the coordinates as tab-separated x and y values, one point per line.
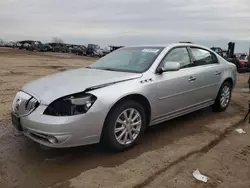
71	105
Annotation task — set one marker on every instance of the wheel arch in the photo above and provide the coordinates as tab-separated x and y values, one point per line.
229	80
217	106
135	97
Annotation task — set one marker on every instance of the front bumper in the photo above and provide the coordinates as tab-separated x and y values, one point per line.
63	131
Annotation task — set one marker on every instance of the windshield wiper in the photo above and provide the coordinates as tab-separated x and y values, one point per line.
88	67
109	69
102	68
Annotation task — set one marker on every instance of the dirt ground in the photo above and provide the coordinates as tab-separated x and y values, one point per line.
165	157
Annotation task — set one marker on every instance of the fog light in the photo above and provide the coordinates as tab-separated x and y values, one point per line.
52	140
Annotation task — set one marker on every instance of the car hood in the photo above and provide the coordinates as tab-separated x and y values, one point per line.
52	87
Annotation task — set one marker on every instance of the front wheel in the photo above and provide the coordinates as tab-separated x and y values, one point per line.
125	125
223	98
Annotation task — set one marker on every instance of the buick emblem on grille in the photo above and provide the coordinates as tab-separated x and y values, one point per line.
17	105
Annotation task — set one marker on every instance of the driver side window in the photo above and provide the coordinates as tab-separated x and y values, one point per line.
179	55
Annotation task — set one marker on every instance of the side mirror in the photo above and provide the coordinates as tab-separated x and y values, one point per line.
169	66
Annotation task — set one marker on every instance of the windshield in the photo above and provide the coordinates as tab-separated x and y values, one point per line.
131	59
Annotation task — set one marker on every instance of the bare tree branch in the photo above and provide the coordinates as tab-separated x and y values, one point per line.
57	40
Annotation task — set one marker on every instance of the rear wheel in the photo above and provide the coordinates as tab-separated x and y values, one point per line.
223	98
125	125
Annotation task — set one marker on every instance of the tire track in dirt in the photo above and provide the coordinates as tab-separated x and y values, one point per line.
201	151
130	174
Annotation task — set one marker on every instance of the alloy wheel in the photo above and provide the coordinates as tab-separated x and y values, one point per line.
128	126
225	96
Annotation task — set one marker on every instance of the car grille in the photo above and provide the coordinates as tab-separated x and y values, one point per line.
24	104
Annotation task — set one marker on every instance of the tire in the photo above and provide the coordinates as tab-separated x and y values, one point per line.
219	105
111	139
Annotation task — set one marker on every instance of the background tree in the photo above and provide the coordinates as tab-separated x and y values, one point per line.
57	40
1	42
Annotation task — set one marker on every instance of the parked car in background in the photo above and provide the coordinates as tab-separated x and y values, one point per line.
45	48
79	50
9	44
84	50
113	48
35	46
244	64
94	50
59	47
106	50
26	46
55	47
64	48
117	97
18	45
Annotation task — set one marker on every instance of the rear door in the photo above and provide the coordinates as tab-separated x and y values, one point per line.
207	71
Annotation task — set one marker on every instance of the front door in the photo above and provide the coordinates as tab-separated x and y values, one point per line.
175	89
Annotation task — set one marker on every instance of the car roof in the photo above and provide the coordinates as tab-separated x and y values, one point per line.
170	45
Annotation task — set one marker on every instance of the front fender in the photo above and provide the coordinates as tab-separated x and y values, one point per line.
110	95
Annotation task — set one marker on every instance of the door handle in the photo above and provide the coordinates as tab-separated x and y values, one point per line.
191	79
217	73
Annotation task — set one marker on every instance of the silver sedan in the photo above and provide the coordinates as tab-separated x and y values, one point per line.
117	97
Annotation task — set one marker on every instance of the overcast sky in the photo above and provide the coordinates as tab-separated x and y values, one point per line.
128	22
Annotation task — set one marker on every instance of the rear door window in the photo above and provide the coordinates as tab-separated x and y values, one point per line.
203	57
